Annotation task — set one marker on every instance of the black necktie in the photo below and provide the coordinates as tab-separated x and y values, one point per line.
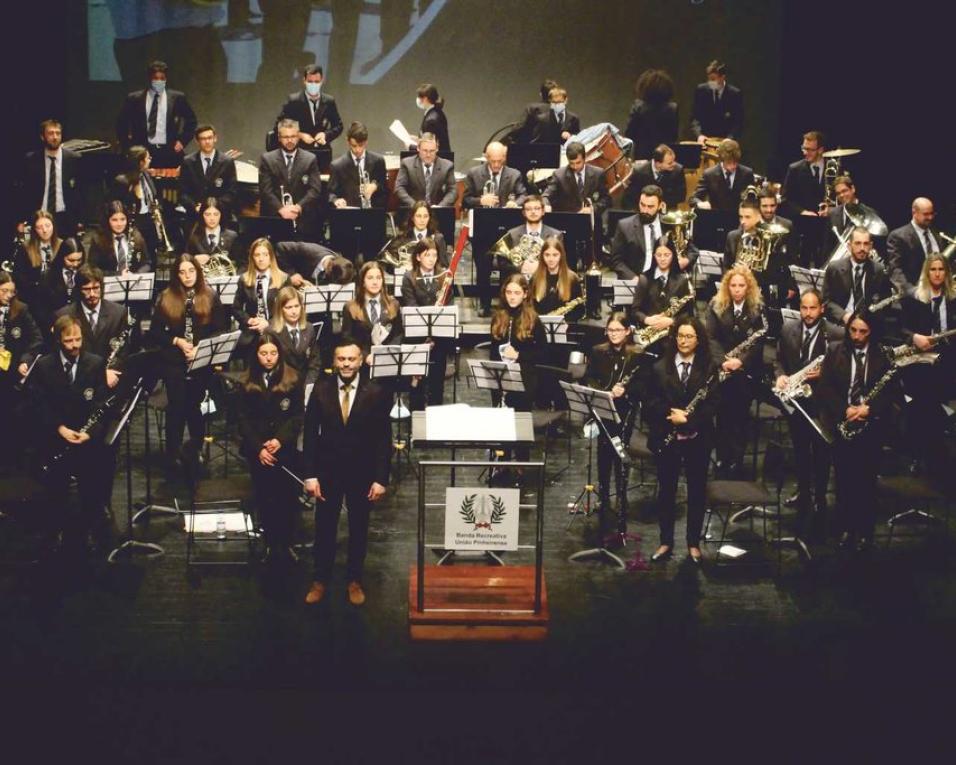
805	350
47	252
68	368
91	318
929	242
373	311
856	388
288	165
212	242
816	173
151	119
294	334
937	314
738	318
208	161
266	378
70	277
858	287
494	181
120	253
684	372
51	187
727	178
261	295
581	183
662	280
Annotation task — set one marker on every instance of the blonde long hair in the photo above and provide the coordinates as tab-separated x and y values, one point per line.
924	293
753	300
286	295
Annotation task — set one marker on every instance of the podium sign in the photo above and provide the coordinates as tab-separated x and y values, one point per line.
479	518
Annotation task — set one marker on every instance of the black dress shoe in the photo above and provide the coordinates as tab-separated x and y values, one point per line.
792	500
662	556
695	559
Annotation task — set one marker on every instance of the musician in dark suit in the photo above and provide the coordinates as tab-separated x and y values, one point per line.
656	287
801	342
720	187
137	191
315	112
532	208
632	248
735	313
34	258
412	185
518	336
774	278
69	385
767	199
208	173
421	224
101	321
533	111
210	236
51	180
295	172
258	286
848	204
660	170
850	371
347	451
653	119
553	123
577	186
493	184
58	284
850	283
117	247
161	120
296	336
718	110
804	184
270	411
307	261
673	382
345	186
434	120
908	246
373	317
20	343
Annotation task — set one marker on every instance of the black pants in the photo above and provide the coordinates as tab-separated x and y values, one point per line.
733	418
91	465
432	386
327	513
276	495
856	463
185	395
812	456
693	454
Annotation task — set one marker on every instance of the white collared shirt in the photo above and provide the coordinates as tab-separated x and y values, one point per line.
680	360
204	157
60	202
74	362
651	232
214	232
160	137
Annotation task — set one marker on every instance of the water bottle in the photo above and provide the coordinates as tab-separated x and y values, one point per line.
221	528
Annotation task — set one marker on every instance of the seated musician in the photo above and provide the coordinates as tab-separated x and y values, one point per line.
32	260
662	170
20	343
422	285
58	284
769	206
373	317
851	371
657	288
773	276
136	189
186	312
270	412
720	187
849	210
421	224
101	321
927	316
209	235
674	381
346	188
69	386
856	281
632	248
258	287
735	313
117	247
295	335
208	173
613	366
554	285
800	343
532	209
578	186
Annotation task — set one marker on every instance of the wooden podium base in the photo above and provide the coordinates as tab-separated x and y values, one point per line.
488	603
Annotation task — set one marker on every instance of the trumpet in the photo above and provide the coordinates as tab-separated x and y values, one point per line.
288	202
364	181
156	213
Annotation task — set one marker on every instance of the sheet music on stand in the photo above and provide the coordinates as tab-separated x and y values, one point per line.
710	263
590	401
214	350
624	291
399	360
394	280
129	288
431	321
496	375
327	298
790	314
807	278
226	287
555	328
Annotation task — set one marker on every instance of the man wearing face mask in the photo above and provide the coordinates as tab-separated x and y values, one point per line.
718	106
159	119
555	124
316	113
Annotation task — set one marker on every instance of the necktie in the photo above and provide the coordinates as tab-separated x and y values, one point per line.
212	242
47	253
151	119
208	161
121	253
91	318
535	234
428	281
294	334
684	372
580	184
68	368
928	241
738	316
373	311
729	178
858	287
266	378
313	105
816	173
805	350
51	187
856	388
937	314
662	281
70	277
345	401
716	97
420	235
288	165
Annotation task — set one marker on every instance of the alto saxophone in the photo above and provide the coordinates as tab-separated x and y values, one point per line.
565	309
797	385
906	354
648	335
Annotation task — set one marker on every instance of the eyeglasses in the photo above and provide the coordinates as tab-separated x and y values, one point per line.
616	330
685	336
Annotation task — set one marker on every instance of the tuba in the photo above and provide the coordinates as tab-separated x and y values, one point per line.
521	253
756	247
676	227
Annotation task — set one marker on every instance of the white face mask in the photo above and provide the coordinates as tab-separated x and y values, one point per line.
558	108
159	86
313	88
713	84
420	103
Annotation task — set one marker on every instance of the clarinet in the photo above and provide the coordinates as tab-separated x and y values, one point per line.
850	430
700	396
188	330
119	342
95	416
739	350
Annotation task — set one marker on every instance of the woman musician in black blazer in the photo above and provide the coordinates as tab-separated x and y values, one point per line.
270	411
20	343
673	383
117	247
58	284
186	312
420	225
554	284
209	235
373	317
656	287
32	260
258	287
295	335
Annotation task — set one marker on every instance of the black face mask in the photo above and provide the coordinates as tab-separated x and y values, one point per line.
646	219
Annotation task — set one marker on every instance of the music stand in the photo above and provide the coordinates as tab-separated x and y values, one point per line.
327	298
431	321
355	231
687	153
497	377
272	227
226	287
807	278
129	288
615	216
710	265
530	156
598	405
214	350
399	361
625	291
578	231
711	228
555	329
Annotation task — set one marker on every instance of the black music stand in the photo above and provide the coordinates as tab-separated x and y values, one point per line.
399	361
807	278
530	156
810	232
434	322
624	291
711	228
489	224
356	232
687	154
226	287
614	217
578	232
274	228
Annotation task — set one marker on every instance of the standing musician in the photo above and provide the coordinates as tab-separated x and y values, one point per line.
58	284
117	247
69	385
347	454
186	312
518	336
136	189
930	311
258	286
421	225
853	282
803	192
775	281
33	260
208	173
290	186
554	284
373	317
735	313
422	285
209	235
850	371
426	176
20	342
718	110
908	246
295	335
673	382
270	411
345	177
315	113
552	123
656	287
51	179
653	119
800	343
720	187
612	367
434	120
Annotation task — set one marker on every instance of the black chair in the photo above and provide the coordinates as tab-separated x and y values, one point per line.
919	496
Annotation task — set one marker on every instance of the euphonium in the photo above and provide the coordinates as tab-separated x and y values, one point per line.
950	246
676	226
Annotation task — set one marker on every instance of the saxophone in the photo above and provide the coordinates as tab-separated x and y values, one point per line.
567	307
648	335
797	385
739	350
906	354
850	430
879	305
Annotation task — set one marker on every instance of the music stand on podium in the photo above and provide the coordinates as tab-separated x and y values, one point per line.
226	287
499	378
399	361
599	405
578	232
624	291
354	231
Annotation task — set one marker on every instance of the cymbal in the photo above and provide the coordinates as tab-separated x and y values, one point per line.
837	153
